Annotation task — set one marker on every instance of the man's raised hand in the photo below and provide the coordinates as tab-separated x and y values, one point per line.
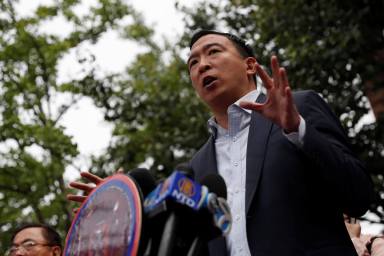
279	106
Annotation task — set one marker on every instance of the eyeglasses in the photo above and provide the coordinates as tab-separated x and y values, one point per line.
25	247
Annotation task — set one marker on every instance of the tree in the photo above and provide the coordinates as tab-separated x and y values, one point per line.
35	150
333	47
158	119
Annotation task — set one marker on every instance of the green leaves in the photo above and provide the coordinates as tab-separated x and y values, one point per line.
34	148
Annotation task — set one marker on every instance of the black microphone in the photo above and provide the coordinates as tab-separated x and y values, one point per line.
190	211
145	183
144	180
216	185
185	169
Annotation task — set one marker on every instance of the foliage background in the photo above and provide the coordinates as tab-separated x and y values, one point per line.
333	47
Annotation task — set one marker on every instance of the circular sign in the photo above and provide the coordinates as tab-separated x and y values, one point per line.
109	222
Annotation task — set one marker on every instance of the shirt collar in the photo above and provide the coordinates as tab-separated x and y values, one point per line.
251	96
213	126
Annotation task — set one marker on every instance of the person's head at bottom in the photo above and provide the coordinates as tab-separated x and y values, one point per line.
35	240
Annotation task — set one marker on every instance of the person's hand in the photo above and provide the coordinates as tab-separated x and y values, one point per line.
86	188
279	106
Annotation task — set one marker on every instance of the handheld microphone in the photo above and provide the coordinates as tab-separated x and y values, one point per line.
216	206
184	201
144	180
146	183
216	199
177	188
216	202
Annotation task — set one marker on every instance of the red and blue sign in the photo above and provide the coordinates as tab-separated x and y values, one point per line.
109	222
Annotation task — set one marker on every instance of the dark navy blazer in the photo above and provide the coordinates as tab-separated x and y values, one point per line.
295	197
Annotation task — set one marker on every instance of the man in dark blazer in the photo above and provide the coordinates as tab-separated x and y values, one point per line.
284	156
286	161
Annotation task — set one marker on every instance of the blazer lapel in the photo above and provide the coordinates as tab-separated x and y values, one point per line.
259	132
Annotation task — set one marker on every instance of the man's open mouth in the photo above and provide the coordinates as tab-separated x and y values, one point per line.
208	81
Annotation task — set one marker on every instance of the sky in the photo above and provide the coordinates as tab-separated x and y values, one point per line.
84	122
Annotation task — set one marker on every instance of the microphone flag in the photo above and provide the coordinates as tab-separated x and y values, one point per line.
184	191
178	188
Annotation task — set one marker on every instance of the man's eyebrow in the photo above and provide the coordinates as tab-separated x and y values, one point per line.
205	47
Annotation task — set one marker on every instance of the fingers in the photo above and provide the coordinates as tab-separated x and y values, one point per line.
82	186
251	105
76	198
284	84
275	71
267	81
91	177
278	75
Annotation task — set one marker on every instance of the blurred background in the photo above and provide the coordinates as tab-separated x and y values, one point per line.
97	85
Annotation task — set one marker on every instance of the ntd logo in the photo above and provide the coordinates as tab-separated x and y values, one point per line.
186	187
184	192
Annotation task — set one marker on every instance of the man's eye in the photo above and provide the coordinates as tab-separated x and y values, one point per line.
213	51
192	63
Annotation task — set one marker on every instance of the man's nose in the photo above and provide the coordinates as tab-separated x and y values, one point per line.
204	65
19	252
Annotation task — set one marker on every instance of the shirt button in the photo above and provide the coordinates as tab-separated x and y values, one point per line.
237	217
234	139
237	191
235	164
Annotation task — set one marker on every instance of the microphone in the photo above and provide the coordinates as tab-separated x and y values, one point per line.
182	200
144	180
216	201
217	204
218	207
146	183
185	169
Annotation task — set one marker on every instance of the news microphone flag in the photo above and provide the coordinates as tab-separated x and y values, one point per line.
183	190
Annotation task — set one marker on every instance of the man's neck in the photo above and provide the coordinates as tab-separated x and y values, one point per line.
220	111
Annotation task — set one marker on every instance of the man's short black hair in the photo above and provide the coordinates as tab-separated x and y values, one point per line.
49	234
242	47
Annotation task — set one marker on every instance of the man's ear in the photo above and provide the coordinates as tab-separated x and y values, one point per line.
251	65
56	251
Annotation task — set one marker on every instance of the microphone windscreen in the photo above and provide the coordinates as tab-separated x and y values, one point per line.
186	169
144	179
215	184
